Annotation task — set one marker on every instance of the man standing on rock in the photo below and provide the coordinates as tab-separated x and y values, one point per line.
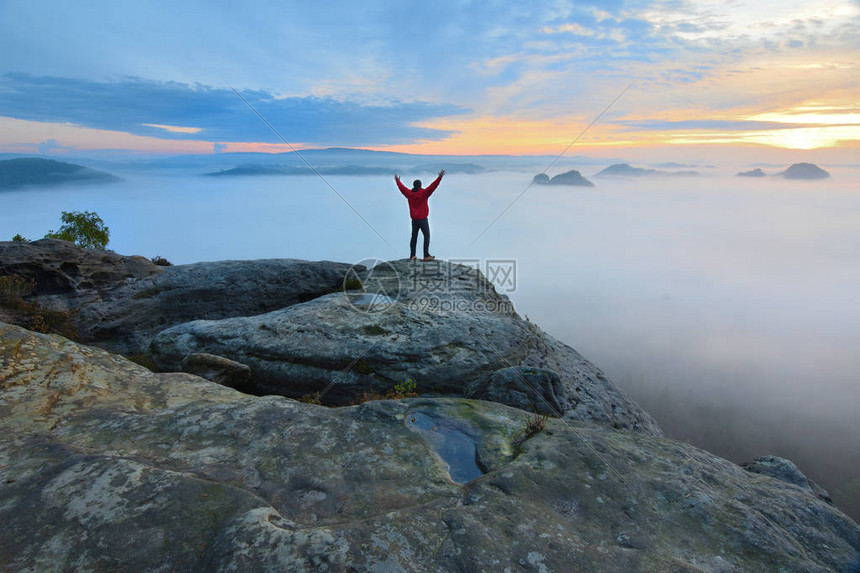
418	210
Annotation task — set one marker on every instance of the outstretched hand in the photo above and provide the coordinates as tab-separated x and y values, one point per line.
396	177
441	173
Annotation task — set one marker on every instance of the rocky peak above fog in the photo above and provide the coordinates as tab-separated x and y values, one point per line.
805	171
172	471
572	177
757	172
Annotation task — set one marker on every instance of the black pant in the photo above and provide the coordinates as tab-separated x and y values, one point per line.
425	228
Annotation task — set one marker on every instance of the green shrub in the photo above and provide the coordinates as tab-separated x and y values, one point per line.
19	239
406	388
352	283
401	390
84	228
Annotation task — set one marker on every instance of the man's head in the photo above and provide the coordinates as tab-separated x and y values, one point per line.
416	185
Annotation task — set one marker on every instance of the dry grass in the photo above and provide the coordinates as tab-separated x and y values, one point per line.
30	314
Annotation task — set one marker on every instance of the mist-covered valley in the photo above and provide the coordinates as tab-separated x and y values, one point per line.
725	306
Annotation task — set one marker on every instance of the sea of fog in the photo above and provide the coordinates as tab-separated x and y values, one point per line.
727	307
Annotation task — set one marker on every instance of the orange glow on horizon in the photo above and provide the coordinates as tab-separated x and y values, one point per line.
807	126
502	136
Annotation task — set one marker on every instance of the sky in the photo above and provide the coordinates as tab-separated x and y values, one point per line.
733	80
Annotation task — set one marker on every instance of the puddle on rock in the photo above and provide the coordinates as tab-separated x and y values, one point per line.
456	448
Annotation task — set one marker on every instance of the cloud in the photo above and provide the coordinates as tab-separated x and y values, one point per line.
51	145
152	108
569	28
381	73
706	124
218	147
174	128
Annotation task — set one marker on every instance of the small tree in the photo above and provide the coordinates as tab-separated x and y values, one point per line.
86	229
19	239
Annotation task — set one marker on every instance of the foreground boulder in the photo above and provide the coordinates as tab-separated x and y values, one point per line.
121	302
67	273
107	466
442	325
126	317
785	470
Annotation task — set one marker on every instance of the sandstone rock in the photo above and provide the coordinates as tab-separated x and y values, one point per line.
105	465
785	470
524	388
445	327
122	302
65	270
219	369
125	318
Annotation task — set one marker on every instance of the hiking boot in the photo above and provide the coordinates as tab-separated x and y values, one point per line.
429	258
412	258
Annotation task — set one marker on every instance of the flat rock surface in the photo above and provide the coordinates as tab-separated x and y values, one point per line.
441	325
121	302
105	466
125	318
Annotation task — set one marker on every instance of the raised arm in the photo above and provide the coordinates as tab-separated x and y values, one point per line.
432	186
403	188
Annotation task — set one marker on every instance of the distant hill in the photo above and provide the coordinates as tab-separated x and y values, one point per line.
572	177
626	170
673	165
35	171
805	171
757	172
329	157
269	169
450	168
246	170
252	170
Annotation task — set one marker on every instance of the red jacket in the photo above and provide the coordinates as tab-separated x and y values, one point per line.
418	208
